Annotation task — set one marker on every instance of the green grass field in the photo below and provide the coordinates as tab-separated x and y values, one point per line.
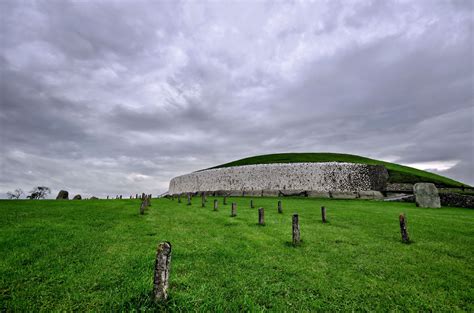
398	173
98	255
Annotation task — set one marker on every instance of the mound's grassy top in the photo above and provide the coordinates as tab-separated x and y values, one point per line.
98	255
398	173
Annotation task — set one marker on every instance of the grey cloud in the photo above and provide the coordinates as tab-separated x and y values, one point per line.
117	97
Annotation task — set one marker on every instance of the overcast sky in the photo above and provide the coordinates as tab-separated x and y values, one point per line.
117	97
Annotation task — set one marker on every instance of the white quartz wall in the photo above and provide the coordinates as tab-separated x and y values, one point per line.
328	176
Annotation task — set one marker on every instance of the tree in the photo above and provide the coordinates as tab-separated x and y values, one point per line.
15	194
39	192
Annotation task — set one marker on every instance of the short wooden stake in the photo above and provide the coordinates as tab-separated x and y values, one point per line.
261	216
403	228
323	214
280	210
233	211
215	204
296	230
162	271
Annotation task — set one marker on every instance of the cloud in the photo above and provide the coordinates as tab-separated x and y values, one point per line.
119	97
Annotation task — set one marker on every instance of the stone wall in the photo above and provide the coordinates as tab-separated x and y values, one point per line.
324	177
457	200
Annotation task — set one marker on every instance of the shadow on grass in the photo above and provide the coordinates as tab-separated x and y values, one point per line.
291	245
145	302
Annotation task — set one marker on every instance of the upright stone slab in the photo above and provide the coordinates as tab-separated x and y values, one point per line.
261	216
162	271
63	195
426	195
296	230
215	204
77	197
233	212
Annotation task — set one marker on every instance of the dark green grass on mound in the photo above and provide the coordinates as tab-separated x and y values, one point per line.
99	256
398	173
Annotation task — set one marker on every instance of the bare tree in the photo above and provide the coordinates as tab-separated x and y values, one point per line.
39	192
15	194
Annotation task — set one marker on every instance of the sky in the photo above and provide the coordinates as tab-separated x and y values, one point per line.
118	97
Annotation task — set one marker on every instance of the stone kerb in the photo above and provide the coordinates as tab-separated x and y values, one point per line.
281	179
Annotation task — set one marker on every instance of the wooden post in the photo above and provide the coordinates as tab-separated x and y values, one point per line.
203	200
280	210
215	204
233	211
296	230
261	216
142	208
251	204
323	214
225	200
162	271
189	199
403	228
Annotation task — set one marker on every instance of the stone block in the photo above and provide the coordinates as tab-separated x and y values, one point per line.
370	195
270	193
318	194
426	195
289	193
344	194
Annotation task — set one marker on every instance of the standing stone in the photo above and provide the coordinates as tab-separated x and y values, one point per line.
296	230
323	214
203	200
162	271
426	195
403	228
120	197
77	197
251	204
233	211
261	216
142	207
136	196
107	197
225	200
215	204
148	200
189	199
63	195
280	209
179	198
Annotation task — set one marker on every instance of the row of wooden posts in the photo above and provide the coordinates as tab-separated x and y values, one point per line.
146	202
295	223
137	196
163	255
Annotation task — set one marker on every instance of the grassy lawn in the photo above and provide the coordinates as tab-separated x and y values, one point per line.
99	255
398	173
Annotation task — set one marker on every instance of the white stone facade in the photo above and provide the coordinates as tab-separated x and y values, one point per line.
328	176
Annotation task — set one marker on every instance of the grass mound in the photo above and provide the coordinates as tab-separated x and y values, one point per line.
98	255
398	173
